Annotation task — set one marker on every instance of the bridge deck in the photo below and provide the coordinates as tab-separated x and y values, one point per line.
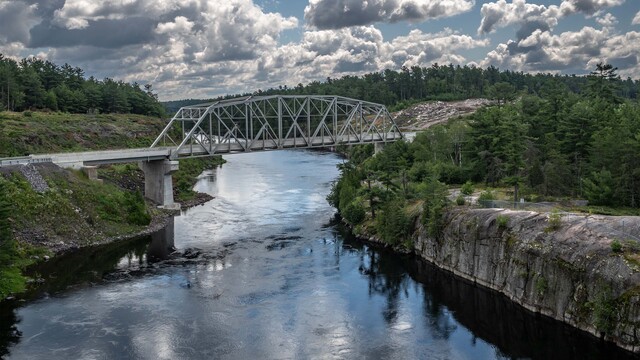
78	159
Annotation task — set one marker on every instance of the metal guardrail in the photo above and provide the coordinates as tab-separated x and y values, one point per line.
502	204
23	160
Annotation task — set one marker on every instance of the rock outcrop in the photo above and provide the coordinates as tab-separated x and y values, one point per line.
424	115
575	268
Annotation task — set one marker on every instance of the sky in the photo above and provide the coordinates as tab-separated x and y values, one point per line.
207	48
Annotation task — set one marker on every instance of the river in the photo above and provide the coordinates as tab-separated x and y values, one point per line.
263	271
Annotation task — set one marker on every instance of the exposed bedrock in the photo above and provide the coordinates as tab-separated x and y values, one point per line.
565	268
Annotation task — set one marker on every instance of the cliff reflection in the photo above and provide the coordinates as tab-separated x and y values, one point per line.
448	300
515	332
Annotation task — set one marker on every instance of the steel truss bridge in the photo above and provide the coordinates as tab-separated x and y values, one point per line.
258	123
247	124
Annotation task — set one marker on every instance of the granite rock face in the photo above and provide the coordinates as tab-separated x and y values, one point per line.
564	267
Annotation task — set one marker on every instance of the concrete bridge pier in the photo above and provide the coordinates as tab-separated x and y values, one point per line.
158	183
377	147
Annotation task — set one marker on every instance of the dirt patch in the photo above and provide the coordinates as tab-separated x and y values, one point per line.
421	116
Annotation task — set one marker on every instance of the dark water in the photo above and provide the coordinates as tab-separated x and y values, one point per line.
268	274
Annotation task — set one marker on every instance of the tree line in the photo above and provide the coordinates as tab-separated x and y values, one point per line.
399	89
552	144
35	84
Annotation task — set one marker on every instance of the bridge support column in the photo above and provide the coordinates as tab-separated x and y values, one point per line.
91	172
377	147
158	183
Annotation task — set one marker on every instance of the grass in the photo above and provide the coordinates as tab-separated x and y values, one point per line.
74	208
60	132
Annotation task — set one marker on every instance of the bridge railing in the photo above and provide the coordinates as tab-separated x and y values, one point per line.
23	160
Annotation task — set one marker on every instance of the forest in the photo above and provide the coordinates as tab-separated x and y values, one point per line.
399	89
549	145
35	84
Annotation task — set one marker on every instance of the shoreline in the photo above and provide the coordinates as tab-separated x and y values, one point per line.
159	220
565	277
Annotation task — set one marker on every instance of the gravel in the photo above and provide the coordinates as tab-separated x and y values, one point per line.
34	178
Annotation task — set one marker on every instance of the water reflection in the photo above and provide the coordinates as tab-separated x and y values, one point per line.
9	334
516	333
83	268
162	243
449	302
266	274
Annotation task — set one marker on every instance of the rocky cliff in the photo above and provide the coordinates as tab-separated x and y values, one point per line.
578	269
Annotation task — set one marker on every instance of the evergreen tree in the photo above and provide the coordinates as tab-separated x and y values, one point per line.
604	83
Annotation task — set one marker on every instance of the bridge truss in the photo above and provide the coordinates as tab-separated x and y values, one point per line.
275	122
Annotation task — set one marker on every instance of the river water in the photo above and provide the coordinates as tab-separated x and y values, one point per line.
263	271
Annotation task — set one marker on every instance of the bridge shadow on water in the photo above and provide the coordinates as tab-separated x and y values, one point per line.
515	332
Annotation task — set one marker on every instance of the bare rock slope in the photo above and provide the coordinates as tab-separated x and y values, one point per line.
567	269
423	115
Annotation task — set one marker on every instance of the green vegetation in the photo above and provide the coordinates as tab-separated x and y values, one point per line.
381	193
57	132
607	210
503	221
74	211
541	286
467	188
605	310
33	83
616	246
549	142
11	279
130	177
554	221
75	208
189	170
487	195
401	89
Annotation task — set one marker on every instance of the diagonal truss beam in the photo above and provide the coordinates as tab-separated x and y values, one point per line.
275	122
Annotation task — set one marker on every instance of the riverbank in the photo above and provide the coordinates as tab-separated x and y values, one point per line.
55	211
576	269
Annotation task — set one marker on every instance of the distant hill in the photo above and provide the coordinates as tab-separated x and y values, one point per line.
400	89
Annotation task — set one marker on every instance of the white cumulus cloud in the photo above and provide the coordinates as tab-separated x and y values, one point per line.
502	13
636	19
335	14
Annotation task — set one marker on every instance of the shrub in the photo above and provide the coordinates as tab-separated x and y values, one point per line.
467	188
136	209
605	310
486	195
554	220
541	286
503	221
616	246
460	200
354	213
27	113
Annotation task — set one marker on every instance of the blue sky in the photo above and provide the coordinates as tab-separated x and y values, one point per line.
205	48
